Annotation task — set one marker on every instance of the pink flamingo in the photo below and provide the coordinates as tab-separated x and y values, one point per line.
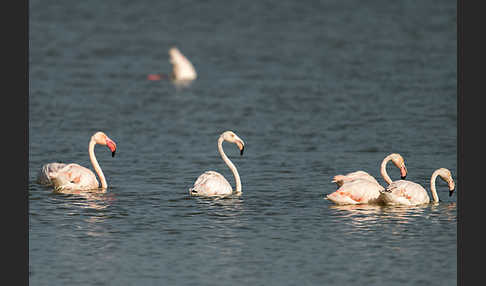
76	177
360	187
212	183
404	192
182	69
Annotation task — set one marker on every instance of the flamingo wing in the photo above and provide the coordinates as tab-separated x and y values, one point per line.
211	183
360	191
73	176
349	177
182	67
44	176
404	192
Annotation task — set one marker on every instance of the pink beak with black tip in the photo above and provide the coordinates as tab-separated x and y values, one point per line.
112	145
403	172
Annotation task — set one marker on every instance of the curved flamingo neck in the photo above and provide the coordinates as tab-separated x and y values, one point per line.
383	170
95	164
432	186
230	165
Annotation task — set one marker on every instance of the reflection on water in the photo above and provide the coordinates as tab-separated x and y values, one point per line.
97	200
181	84
223	210
364	216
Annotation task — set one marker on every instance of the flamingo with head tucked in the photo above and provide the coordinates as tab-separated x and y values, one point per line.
183	72
360	187
182	68
403	192
65	177
213	184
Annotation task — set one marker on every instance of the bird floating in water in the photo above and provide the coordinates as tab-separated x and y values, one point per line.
182	69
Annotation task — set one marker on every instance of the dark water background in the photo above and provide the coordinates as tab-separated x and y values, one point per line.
315	88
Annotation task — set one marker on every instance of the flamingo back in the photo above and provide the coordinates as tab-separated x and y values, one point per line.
182	67
211	183
342	179
360	191
44	177
70	176
403	192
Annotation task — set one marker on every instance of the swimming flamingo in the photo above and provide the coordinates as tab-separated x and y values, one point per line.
361	188
397	160
212	183
404	192
73	176
182	69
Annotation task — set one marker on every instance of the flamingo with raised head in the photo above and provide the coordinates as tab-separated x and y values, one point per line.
64	177
403	192
211	183
360	187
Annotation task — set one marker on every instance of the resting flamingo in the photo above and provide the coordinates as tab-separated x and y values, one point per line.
360	187
182	69
404	192
212	183
76	177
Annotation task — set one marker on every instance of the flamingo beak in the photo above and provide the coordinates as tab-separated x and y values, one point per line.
403	172
452	187
112	145
241	146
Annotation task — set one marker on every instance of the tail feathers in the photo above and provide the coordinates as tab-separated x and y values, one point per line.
337	178
192	191
49	171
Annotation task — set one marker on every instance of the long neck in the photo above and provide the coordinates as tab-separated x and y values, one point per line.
383	170
432	186
230	165
95	164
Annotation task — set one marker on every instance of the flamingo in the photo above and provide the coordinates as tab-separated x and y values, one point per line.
76	177
182	69
403	192
212	183
360	187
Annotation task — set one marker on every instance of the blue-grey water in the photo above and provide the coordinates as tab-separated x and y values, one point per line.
314	88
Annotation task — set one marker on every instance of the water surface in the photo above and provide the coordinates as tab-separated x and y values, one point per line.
314	90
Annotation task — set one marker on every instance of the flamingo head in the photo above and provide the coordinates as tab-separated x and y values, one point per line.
231	137
398	160
102	139
446	175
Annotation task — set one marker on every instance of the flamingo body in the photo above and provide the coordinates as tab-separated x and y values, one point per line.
211	183
403	192
182	69
359	191
68	176
341	179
